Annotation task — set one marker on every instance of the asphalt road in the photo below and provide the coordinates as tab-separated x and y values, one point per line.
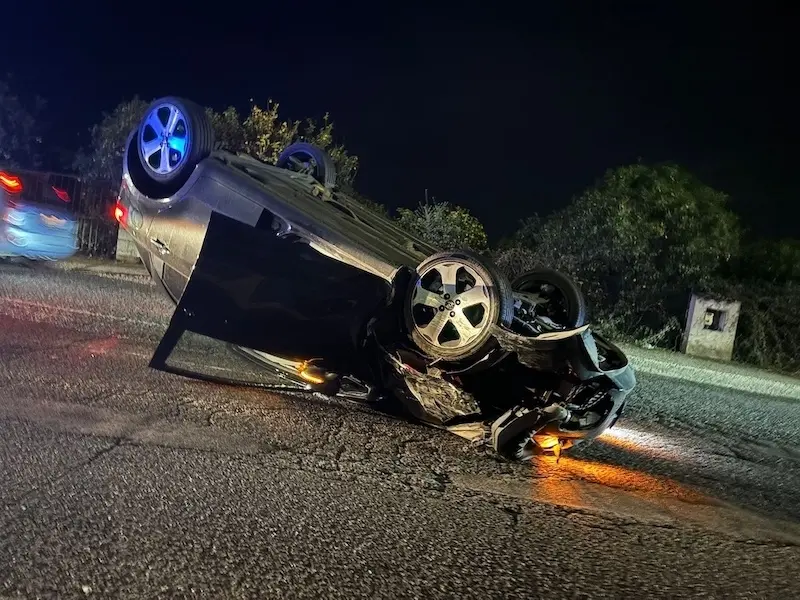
120	482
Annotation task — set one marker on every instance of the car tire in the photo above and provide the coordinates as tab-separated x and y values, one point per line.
160	170
574	308
308	158
495	300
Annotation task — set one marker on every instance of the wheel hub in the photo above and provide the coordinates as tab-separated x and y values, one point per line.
164	138
450	305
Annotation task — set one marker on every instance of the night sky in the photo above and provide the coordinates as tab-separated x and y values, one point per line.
506	110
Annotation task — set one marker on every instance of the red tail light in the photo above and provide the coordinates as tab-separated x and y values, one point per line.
10	183
120	213
62	194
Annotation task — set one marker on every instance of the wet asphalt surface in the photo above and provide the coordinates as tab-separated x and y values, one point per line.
117	481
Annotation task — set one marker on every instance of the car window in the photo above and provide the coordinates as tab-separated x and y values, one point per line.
36	189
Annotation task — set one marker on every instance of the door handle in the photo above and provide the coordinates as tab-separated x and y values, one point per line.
162	247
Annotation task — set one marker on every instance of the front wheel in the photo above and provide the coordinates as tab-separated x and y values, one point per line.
453	303
559	296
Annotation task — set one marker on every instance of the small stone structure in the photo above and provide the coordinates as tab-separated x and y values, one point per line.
126	248
710	328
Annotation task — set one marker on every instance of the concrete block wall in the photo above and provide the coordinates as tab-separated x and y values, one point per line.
126	248
710	328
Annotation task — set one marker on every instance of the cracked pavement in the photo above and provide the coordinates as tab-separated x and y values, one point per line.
120	482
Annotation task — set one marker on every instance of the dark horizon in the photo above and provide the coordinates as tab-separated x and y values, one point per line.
504	114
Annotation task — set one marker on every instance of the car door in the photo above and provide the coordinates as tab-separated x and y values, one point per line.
175	239
158	239
278	295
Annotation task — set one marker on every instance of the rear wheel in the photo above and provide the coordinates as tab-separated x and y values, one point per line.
452	305
172	138
303	157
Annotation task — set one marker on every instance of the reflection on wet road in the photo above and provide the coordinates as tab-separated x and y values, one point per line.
118	481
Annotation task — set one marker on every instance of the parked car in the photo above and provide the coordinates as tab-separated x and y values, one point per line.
35	220
277	261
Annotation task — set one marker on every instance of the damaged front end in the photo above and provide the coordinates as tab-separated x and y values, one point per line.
533	394
589	380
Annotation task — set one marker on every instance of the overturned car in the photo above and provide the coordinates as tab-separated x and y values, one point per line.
281	264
